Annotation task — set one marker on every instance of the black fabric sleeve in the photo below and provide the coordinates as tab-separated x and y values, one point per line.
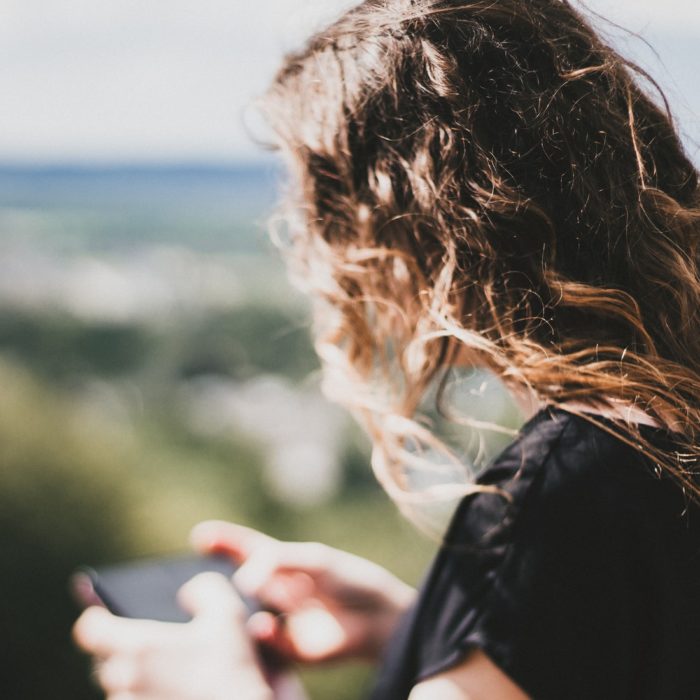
544	584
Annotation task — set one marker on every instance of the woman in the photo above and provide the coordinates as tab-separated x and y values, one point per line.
480	183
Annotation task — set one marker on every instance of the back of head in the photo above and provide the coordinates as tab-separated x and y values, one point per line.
489	181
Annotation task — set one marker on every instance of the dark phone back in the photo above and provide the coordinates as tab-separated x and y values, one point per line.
148	589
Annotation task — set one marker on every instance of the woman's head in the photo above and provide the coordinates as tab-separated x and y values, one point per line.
487	180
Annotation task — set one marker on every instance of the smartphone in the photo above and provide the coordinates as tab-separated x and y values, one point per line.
147	589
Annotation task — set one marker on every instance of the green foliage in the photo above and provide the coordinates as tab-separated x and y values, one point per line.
239	343
246	341
355	461
62	503
59	346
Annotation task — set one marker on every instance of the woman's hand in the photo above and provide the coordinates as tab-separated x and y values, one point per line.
331	604
209	658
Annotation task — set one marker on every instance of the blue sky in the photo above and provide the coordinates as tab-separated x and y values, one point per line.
169	80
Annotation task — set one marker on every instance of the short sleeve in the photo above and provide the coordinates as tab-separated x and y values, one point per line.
543	581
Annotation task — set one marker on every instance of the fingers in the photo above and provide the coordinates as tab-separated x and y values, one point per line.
238	541
211	595
122	678
279	574
270	630
119	675
208	595
309	558
310	635
99	632
316	635
279	633
117	643
152	660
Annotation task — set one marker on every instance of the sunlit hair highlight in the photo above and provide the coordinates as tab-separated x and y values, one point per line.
490	181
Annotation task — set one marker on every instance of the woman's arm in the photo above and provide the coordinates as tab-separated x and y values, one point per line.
476	678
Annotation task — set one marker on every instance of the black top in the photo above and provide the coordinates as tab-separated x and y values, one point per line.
585	586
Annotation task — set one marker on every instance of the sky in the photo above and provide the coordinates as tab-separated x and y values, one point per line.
170	80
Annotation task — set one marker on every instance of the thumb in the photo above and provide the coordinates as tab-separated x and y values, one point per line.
211	595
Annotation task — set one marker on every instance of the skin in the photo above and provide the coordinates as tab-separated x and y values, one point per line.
476	678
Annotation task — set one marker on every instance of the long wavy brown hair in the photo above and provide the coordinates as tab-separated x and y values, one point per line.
490	182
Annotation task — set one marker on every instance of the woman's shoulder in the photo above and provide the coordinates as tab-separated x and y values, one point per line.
561	465
575	448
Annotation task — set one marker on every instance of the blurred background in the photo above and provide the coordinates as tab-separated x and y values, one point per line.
156	368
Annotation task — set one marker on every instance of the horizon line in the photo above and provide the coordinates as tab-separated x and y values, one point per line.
116	164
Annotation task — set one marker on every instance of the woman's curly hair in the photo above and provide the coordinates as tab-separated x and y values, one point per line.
490	180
